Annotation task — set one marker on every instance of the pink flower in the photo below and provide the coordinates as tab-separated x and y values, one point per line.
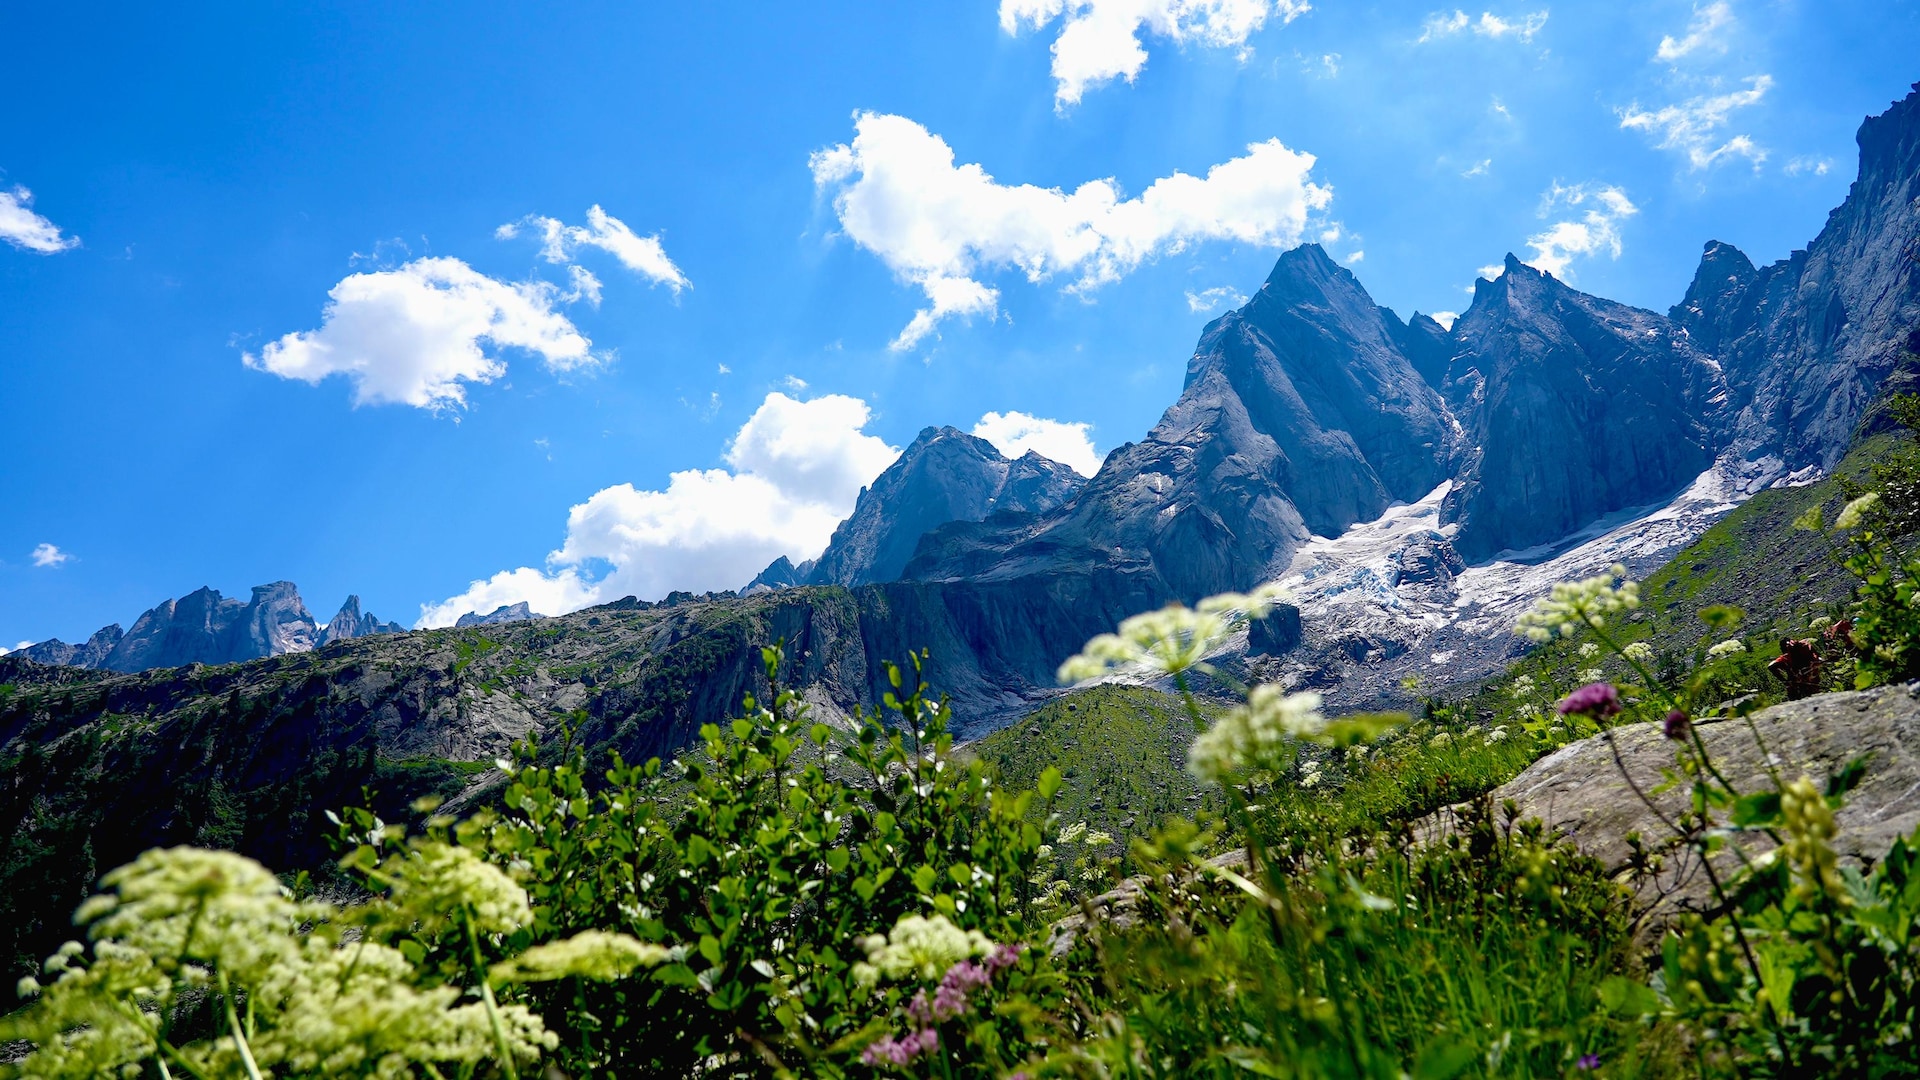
1598	700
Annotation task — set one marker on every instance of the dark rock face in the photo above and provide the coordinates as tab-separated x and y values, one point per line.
505	613
781	573
1429	560
1300	415
1808	341
1277	634
204	627
1427	345
1571	407
945	475
92	654
351	623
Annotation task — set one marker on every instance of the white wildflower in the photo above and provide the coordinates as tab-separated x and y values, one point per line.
1257	736
1098	838
1495	735
1072	833
1523	687
1818	622
1173	639
1590	675
1440	739
1575	603
1729	647
1854	512
1588	649
921	947
436	882
590	954
1638	650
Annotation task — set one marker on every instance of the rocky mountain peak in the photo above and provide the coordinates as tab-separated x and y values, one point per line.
945	475
505	613
351	623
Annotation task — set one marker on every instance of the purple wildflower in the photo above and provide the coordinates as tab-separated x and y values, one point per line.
1004	957
891	1051
1588	1061
1678	724
1598	700
918	1010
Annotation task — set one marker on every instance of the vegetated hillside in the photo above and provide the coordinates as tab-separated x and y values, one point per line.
1122	756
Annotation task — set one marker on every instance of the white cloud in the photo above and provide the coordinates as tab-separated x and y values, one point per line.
46	555
939	226
644	255
1447	24
1015	433
1218	296
1480	168
795	469
1491	272
1818	166
1693	126
413	335
1445	318
1704	32
23	228
1354	258
1099	40
1596	230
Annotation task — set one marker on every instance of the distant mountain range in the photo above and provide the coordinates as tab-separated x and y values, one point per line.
1545	427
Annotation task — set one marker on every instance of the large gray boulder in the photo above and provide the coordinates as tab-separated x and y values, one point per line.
1581	791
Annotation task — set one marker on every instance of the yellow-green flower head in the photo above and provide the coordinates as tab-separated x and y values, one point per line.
1729	647
1573	604
1638	650
1255	737
1852	514
920	947
436	882
193	905
591	954
1172	639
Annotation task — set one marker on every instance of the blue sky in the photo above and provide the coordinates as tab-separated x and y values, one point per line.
181	193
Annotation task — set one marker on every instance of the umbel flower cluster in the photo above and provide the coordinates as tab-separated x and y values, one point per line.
921	950
294	993
1174	639
1576	604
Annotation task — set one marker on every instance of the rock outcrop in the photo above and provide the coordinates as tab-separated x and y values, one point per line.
91	654
351	623
1571	408
505	613
1807	342
944	475
1581	791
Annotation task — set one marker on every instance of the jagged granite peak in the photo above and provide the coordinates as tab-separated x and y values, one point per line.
351	623
204	627
505	613
1036	485
91	654
1809	341
1570	407
1427	344
1300	415
781	573
944	475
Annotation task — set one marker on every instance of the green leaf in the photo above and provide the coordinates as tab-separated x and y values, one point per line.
1847	777
923	877
1361	728
1628	997
1444	1060
1722	616
1049	783
1759	810
960	872
836	859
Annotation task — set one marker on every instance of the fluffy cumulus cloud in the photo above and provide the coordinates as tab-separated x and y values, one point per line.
560	243
1099	40
1444	24
942	226
24	229
1067	442
49	556
1696	127
794	470
1707	32
1594	228
419	334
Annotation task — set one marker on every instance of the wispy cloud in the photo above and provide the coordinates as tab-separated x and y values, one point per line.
1694	127
1706	32
24	229
1100	40
49	557
1218	296
1522	28
644	255
1596	229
